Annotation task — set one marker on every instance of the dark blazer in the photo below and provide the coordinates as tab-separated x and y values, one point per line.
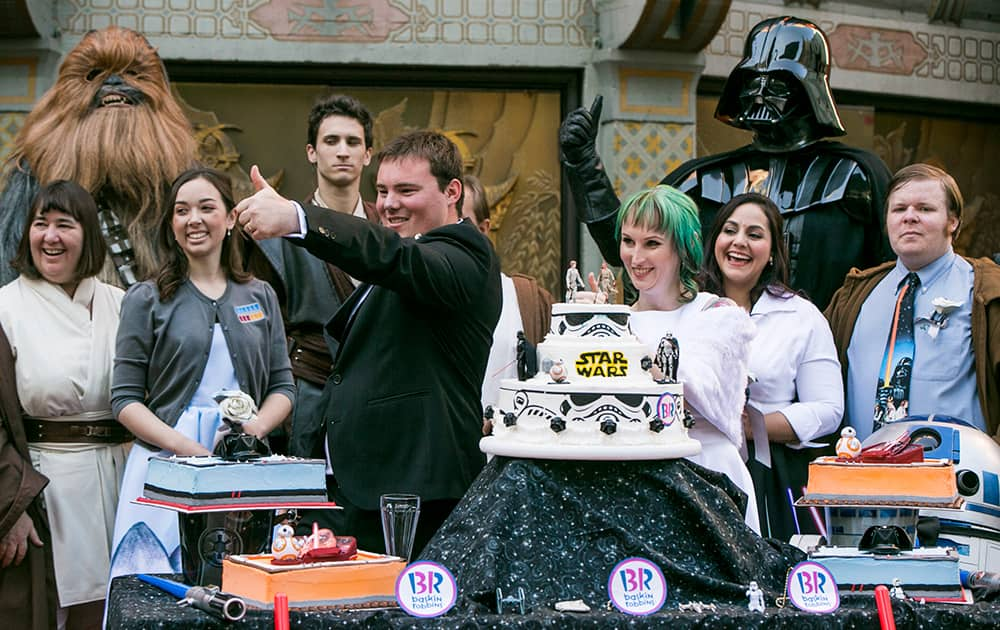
402	402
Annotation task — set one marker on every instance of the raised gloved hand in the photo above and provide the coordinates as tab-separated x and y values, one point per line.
578	133
593	195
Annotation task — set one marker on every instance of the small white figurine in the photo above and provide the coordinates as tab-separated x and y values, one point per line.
848	446
698	607
606	282
285	547
574	282
558	371
573	605
756	597
896	592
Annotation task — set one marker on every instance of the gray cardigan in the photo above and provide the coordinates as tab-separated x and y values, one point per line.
162	347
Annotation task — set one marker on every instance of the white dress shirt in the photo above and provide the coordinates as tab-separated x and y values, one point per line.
794	360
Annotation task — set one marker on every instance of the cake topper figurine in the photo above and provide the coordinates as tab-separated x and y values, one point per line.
896	592
668	355
756	596
285	547
237	408
688	418
511	603
606	283
848	446
320	546
698	607
574	282
488	415
527	357
558	371
572	605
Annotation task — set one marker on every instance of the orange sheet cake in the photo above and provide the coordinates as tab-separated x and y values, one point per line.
367	582
834	481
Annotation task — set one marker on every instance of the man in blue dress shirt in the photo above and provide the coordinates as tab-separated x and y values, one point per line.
955	317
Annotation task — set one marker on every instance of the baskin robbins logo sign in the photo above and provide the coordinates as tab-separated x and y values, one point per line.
601	363
426	589
811	588
669	407
637	587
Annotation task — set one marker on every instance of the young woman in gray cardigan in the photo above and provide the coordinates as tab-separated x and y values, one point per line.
202	326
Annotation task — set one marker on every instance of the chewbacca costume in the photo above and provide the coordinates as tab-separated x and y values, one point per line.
110	124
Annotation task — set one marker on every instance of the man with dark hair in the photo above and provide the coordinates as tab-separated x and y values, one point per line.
401	406
829	194
918	335
339	147
310	291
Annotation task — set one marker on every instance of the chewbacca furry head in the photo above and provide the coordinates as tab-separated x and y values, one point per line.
111	124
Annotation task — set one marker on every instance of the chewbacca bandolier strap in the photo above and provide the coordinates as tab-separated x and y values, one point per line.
119	246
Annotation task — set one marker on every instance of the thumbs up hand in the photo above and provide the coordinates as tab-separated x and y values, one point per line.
266	214
258	181
578	132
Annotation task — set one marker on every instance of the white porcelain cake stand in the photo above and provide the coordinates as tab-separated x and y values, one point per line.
675	450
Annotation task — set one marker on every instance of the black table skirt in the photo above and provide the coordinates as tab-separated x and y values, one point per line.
556	529
135	604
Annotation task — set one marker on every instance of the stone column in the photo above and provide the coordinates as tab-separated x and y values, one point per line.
647	71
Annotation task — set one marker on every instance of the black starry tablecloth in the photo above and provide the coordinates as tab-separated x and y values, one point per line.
556	529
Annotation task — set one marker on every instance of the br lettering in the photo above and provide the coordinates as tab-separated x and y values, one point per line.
428	582
812	582
636	579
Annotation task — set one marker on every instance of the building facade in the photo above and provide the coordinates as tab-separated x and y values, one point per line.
916	81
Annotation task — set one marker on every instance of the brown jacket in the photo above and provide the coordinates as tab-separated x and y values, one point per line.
27	591
843	311
535	304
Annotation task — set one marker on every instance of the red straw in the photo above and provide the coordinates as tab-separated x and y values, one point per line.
886	620
281	611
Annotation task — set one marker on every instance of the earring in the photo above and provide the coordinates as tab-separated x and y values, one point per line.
229	232
770	260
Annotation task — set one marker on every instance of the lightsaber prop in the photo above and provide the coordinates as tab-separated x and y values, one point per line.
886	618
205	598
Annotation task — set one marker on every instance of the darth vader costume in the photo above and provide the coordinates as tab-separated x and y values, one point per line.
830	195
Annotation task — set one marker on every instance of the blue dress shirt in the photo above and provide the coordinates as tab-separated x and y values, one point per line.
944	374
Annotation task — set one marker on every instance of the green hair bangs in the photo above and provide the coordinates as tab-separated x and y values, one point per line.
666	210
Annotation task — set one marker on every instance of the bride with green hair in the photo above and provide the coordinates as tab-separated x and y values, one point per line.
660	244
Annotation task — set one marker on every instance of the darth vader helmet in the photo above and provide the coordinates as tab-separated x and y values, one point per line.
781	88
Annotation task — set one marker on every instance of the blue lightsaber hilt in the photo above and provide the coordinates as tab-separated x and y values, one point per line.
205	598
176	589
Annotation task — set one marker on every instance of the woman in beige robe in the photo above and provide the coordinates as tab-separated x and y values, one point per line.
61	322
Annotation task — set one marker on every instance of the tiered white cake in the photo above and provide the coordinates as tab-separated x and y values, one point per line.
593	396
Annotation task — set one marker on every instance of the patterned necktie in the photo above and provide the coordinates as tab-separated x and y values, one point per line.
892	397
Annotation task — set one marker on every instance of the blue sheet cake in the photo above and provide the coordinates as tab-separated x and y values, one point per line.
204	481
597	393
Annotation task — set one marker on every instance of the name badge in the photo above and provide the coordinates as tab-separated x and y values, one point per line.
250	313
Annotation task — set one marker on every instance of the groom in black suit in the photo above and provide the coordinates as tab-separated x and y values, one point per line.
402	400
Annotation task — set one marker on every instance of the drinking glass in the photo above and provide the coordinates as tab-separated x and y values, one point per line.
399	523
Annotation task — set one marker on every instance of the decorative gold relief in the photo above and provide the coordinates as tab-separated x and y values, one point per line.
217	150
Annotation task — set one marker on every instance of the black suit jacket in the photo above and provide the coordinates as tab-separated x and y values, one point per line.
402	402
